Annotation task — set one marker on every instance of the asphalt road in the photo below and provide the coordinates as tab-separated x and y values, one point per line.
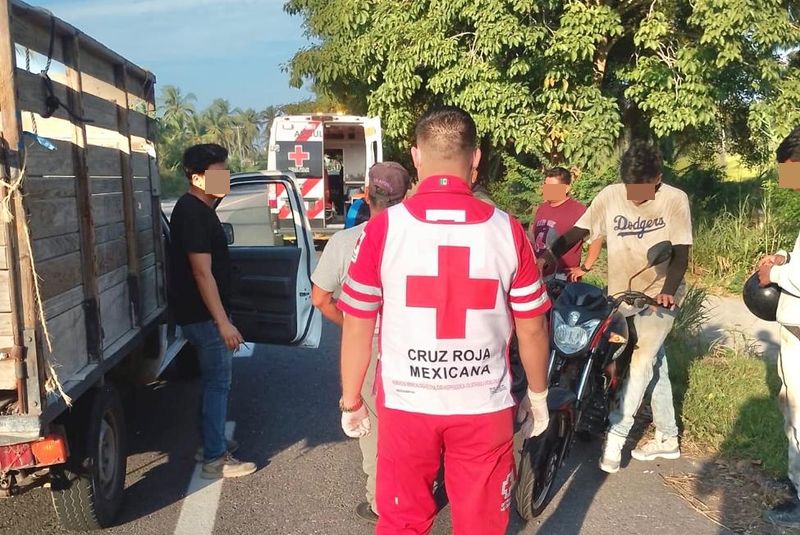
284	406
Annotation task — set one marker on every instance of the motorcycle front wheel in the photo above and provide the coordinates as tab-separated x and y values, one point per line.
541	458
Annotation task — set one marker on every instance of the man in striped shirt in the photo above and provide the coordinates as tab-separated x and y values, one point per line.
451	278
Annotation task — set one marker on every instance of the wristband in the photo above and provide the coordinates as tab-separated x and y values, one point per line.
584	268
352	408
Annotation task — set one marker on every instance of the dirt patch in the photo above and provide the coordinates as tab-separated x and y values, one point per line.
732	494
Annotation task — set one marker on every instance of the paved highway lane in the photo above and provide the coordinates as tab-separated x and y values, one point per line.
284	410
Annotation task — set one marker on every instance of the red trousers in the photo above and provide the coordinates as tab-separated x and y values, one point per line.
479	471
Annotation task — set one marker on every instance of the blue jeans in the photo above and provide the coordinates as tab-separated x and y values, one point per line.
648	368
215	361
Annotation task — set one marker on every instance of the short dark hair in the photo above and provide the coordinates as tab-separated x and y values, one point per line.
198	158
641	163
563	175
449	129
378	199
789	149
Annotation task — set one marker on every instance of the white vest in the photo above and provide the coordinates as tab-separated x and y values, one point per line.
446	322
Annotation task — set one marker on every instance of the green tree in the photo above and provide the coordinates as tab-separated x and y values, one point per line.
554	82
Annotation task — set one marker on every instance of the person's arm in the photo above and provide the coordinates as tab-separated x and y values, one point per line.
357	336
568	240
326	280
323	300
593	253
676	270
534	349
590	225
787	274
575	273
200	264
360	301
529	302
681	238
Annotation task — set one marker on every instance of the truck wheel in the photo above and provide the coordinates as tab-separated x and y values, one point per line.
87	491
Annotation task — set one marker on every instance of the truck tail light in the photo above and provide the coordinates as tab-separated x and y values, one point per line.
16	456
50	450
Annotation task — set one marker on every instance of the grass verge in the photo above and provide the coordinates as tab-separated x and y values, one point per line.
726	398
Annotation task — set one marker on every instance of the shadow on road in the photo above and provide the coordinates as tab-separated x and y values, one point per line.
578	484
279	397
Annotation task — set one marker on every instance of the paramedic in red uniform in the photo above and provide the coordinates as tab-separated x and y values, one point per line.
451	277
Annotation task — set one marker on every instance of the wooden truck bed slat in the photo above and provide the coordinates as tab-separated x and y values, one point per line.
92	208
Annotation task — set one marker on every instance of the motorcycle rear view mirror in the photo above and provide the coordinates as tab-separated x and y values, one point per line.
657	254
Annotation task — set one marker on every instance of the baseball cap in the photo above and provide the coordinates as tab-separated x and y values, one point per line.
389	180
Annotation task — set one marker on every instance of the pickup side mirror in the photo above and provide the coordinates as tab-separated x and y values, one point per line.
228	228
659	253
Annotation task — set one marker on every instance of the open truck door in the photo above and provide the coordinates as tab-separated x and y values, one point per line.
271	262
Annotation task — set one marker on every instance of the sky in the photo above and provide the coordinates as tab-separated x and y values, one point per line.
231	49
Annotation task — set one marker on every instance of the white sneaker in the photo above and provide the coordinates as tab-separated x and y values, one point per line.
612	454
666	448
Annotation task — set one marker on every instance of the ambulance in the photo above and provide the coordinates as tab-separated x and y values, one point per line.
330	155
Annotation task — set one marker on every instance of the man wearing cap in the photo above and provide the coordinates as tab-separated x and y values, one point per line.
388	184
450	277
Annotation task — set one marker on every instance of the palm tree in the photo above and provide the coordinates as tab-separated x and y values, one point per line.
268	116
176	107
217	126
247	124
195	128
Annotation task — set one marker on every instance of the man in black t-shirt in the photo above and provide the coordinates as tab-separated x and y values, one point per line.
200	293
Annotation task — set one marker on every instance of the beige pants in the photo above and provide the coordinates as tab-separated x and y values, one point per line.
369	443
789	399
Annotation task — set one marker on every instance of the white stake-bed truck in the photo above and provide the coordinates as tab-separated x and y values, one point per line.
84	262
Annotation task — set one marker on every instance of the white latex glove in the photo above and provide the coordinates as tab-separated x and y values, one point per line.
356	424
533	414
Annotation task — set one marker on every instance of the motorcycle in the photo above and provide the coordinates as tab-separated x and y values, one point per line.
591	343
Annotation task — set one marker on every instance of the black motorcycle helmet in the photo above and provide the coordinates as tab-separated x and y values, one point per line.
761	301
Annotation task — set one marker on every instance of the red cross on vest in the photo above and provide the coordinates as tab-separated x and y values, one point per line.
452	292
299	156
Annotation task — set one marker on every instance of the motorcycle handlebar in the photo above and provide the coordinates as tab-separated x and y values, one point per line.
631	297
637	299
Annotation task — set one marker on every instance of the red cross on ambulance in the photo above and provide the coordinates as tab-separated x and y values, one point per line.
299	156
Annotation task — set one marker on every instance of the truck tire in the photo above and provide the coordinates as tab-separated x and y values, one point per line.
87	491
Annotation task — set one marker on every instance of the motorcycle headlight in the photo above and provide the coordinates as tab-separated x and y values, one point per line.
569	336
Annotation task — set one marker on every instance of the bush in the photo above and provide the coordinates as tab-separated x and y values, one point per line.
727	246
784	204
